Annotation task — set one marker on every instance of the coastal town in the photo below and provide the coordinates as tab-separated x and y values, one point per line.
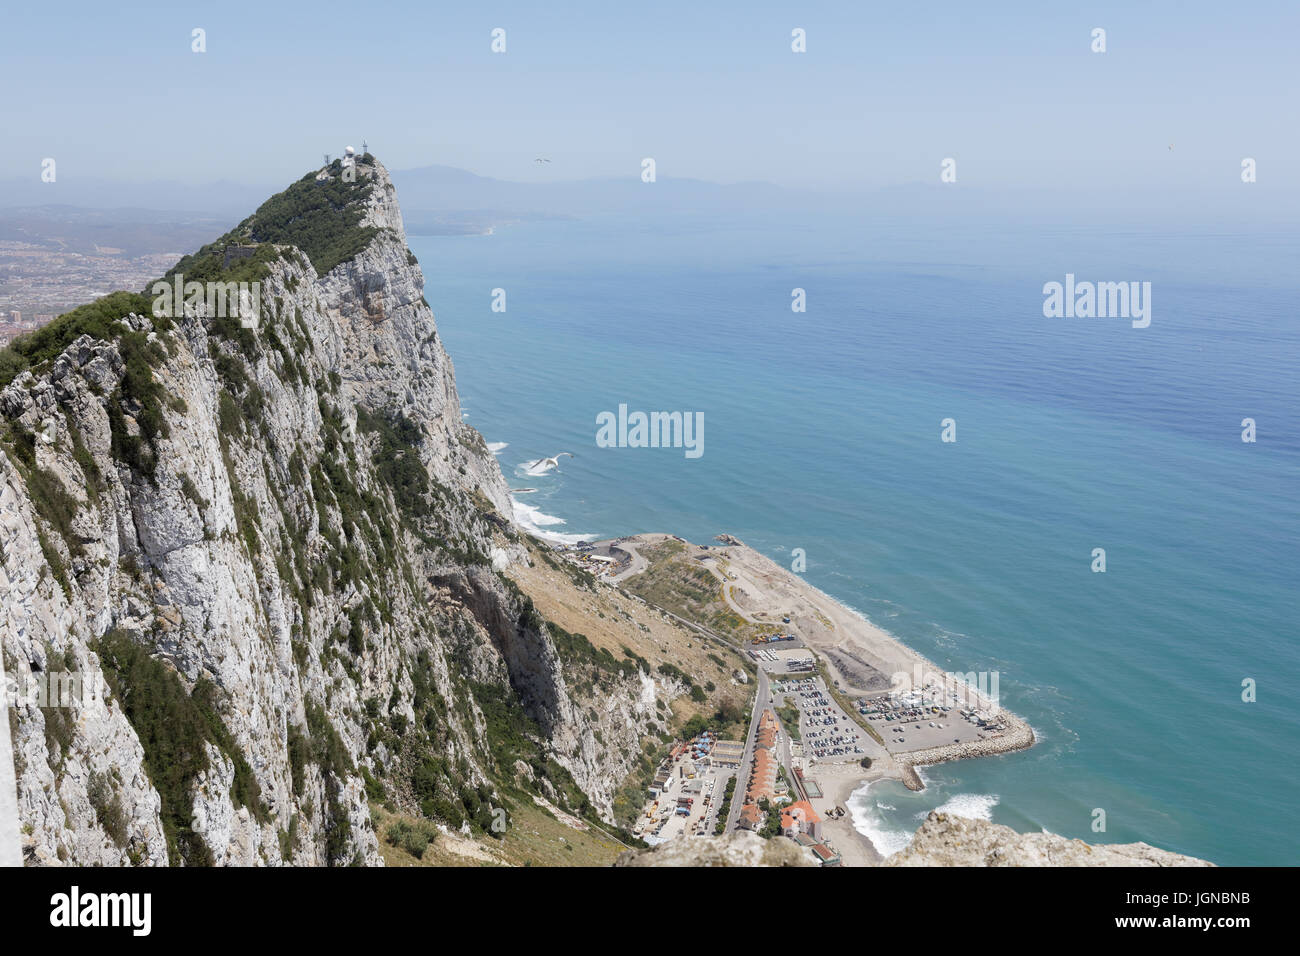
837	704
37	284
54	258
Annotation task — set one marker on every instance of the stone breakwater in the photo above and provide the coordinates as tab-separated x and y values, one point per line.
1018	736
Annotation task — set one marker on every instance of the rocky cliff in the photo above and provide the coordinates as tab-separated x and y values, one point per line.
250	567
948	840
942	840
742	848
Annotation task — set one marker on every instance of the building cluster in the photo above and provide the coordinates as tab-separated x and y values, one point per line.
727	754
13	324
799	821
762	772
684	787
38	284
799	818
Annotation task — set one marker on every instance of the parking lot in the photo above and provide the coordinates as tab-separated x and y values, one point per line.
914	721
828	733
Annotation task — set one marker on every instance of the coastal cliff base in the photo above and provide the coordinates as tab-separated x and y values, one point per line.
942	840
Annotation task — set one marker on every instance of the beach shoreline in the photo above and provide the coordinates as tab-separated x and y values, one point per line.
764	592
838	783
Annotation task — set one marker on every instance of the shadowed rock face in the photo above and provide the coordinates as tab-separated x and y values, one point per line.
943	840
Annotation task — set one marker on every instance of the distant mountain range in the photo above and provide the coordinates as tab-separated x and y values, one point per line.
428	190
89	231
445	200
437	200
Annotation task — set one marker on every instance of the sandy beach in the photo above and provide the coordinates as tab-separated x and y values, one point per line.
837	782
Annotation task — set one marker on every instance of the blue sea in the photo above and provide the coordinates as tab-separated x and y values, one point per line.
822	432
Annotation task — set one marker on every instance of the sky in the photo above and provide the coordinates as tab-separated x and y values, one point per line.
885	92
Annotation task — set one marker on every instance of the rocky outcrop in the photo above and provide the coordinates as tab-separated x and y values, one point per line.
267	558
942	840
742	848
947	840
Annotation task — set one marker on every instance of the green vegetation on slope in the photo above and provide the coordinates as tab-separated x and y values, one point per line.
173	727
789	715
685	588
98	319
535	837
323	219
52	500
397	459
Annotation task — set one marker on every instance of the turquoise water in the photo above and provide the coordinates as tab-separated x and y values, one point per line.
822	432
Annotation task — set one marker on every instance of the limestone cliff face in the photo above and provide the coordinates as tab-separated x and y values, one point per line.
264	556
389	353
942	840
947	840
742	848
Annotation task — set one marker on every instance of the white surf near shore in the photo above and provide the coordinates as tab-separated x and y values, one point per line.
873	817
536	522
868	819
975	806
531	518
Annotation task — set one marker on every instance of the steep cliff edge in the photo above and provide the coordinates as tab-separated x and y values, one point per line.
247	572
948	840
942	840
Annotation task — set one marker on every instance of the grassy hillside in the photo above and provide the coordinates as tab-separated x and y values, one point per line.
674	582
535	837
617	626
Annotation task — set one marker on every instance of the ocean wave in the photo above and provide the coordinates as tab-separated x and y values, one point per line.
496	446
535	521
977	806
868	819
890	831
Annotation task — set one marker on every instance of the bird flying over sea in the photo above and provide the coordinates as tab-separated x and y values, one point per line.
546	464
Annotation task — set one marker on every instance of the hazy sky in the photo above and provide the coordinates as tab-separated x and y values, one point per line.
883	94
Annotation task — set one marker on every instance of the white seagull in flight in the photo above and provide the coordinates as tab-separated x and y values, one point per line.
546	464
